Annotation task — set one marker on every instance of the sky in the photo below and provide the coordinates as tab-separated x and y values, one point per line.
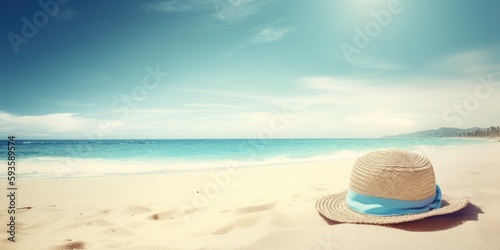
141	69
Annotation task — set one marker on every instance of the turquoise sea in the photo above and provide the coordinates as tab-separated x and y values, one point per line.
79	158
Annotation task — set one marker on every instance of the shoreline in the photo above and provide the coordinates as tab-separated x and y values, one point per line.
490	139
70	168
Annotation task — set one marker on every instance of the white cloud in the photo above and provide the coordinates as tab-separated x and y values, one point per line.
322	106
60	125
266	35
233	10
472	62
379	118
325	106
270	34
376	107
223	10
342	84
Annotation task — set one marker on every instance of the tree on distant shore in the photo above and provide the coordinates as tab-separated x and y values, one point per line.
487	132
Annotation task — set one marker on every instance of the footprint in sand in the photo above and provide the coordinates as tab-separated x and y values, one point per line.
247	217
72	245
257	208
134	210
98	222
118	231
172	214
167	215
247	221
94	222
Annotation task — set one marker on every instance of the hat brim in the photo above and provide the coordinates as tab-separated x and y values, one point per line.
334	207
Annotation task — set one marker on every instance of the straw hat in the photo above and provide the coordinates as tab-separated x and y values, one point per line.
389	187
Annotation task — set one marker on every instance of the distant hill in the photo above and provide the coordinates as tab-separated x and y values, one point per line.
435	133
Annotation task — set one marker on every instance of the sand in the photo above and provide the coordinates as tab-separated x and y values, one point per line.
270	207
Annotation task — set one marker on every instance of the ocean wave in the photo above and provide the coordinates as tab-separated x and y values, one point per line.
65	167
46	164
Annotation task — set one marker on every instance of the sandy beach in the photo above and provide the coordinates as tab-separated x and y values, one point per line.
269	207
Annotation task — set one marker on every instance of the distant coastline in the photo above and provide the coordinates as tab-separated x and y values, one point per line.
491	133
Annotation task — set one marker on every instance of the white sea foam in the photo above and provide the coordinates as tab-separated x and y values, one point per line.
68	167
65	167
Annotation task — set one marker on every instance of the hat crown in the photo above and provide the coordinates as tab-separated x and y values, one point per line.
394	174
